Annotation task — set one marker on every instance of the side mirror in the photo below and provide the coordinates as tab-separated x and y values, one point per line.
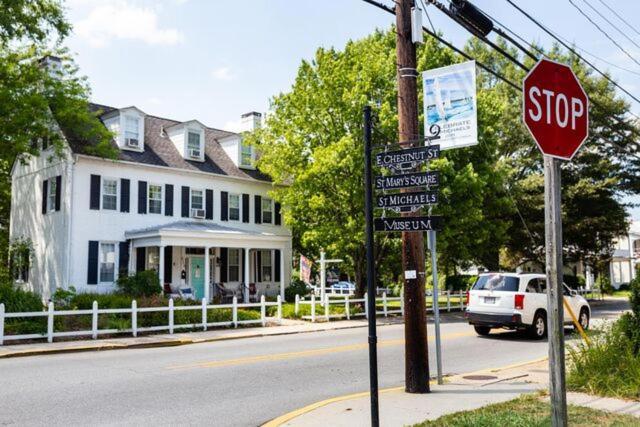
573	293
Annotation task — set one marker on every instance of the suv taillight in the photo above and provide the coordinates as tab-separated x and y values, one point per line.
519	301
466	298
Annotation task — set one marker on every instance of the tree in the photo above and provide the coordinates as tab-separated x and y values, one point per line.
36	103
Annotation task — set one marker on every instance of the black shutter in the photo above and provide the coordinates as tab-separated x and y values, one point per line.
45	188
276	267
168	263
140	259
244	279
259	266
208	204
125	195
92	266
168	198
224	206
185	202
94	198
142	197
58	191
245	208
278	214
258	210
224	253
123	259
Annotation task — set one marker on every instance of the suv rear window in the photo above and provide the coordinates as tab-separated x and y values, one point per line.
497	282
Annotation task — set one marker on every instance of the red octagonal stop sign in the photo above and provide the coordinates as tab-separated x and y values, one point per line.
555	109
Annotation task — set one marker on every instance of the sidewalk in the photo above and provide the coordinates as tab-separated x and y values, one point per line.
287	327
459	393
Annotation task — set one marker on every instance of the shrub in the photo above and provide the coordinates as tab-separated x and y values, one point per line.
575	282
297	287
604	284
63	297
459	282
18	300
144	283
609	366
85	301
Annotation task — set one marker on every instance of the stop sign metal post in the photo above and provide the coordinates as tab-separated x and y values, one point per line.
556	112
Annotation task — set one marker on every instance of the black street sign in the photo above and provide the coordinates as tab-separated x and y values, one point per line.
419	179
413	223
418	198
405	159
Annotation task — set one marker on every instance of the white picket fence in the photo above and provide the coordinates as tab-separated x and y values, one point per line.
170	309
444	303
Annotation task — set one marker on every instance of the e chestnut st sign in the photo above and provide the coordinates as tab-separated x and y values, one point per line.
555	109
403	159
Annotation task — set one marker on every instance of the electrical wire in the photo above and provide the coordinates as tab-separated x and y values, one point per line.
428	17
619	17
611	23
604	32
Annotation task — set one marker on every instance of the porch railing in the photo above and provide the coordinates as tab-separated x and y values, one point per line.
133	311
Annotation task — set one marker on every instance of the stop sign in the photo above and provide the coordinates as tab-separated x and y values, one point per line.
555	109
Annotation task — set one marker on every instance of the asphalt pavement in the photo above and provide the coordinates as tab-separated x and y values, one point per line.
243	382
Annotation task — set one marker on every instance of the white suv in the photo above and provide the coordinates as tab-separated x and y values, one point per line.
517	301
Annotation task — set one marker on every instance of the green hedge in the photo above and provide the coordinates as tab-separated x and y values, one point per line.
17	300
459	282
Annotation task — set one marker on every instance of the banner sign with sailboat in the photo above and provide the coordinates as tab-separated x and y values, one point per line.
450	109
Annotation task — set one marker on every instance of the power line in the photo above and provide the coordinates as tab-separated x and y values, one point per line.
619	17
572	50
604	32
611	23
428	17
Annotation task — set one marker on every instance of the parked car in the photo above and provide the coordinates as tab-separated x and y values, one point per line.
342	288
517	301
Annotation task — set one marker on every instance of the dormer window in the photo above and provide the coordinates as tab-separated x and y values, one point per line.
132	131
194	148
246	155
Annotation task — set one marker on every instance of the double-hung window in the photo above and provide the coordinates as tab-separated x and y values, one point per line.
193	145
233	265
246	154
131	131
51	195
267	211
107	262
155	198
234	207
197	199
110	194
265	266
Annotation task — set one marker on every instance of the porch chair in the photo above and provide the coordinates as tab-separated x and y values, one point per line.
226	295
186	293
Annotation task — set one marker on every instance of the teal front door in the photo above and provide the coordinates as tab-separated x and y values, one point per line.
197	277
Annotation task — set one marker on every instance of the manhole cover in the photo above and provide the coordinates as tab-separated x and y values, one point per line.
480	377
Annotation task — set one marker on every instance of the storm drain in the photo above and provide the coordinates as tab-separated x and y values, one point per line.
480	377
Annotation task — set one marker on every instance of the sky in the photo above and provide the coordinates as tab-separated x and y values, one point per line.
213	60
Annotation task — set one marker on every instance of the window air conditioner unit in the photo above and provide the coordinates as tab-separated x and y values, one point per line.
197	213
194	154
132	142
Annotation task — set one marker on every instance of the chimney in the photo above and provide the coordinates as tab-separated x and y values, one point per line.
52	64
250	121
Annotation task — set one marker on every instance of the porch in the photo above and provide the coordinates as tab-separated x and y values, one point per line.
212	260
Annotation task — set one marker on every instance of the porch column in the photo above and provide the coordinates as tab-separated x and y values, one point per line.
131	268
161	265
207	267
282	274
247	279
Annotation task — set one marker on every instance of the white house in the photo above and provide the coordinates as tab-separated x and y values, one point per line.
181	198
626	256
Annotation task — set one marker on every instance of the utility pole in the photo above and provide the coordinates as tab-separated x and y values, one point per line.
413	256
553	243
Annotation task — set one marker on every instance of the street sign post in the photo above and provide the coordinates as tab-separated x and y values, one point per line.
556	112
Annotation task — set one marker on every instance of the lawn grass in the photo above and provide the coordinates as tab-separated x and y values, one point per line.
621	294
528	410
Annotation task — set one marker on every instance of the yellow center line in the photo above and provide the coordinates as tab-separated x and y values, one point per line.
304	353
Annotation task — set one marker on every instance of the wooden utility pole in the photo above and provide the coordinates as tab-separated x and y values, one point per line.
553	242
413	256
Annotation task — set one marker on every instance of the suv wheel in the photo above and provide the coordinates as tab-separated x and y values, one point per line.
482	330
538	329
584	318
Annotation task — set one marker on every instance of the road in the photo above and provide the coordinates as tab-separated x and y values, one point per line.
232	383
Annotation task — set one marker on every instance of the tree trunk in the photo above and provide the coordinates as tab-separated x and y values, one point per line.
359	269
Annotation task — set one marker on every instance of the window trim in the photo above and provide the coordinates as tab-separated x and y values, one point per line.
239	196
263	210
263	265
201	135
149	185
253	156
191	208
125	129
102	193
115	261
229	265
51	195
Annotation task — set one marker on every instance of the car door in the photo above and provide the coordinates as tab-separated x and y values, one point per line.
574	303
535	298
